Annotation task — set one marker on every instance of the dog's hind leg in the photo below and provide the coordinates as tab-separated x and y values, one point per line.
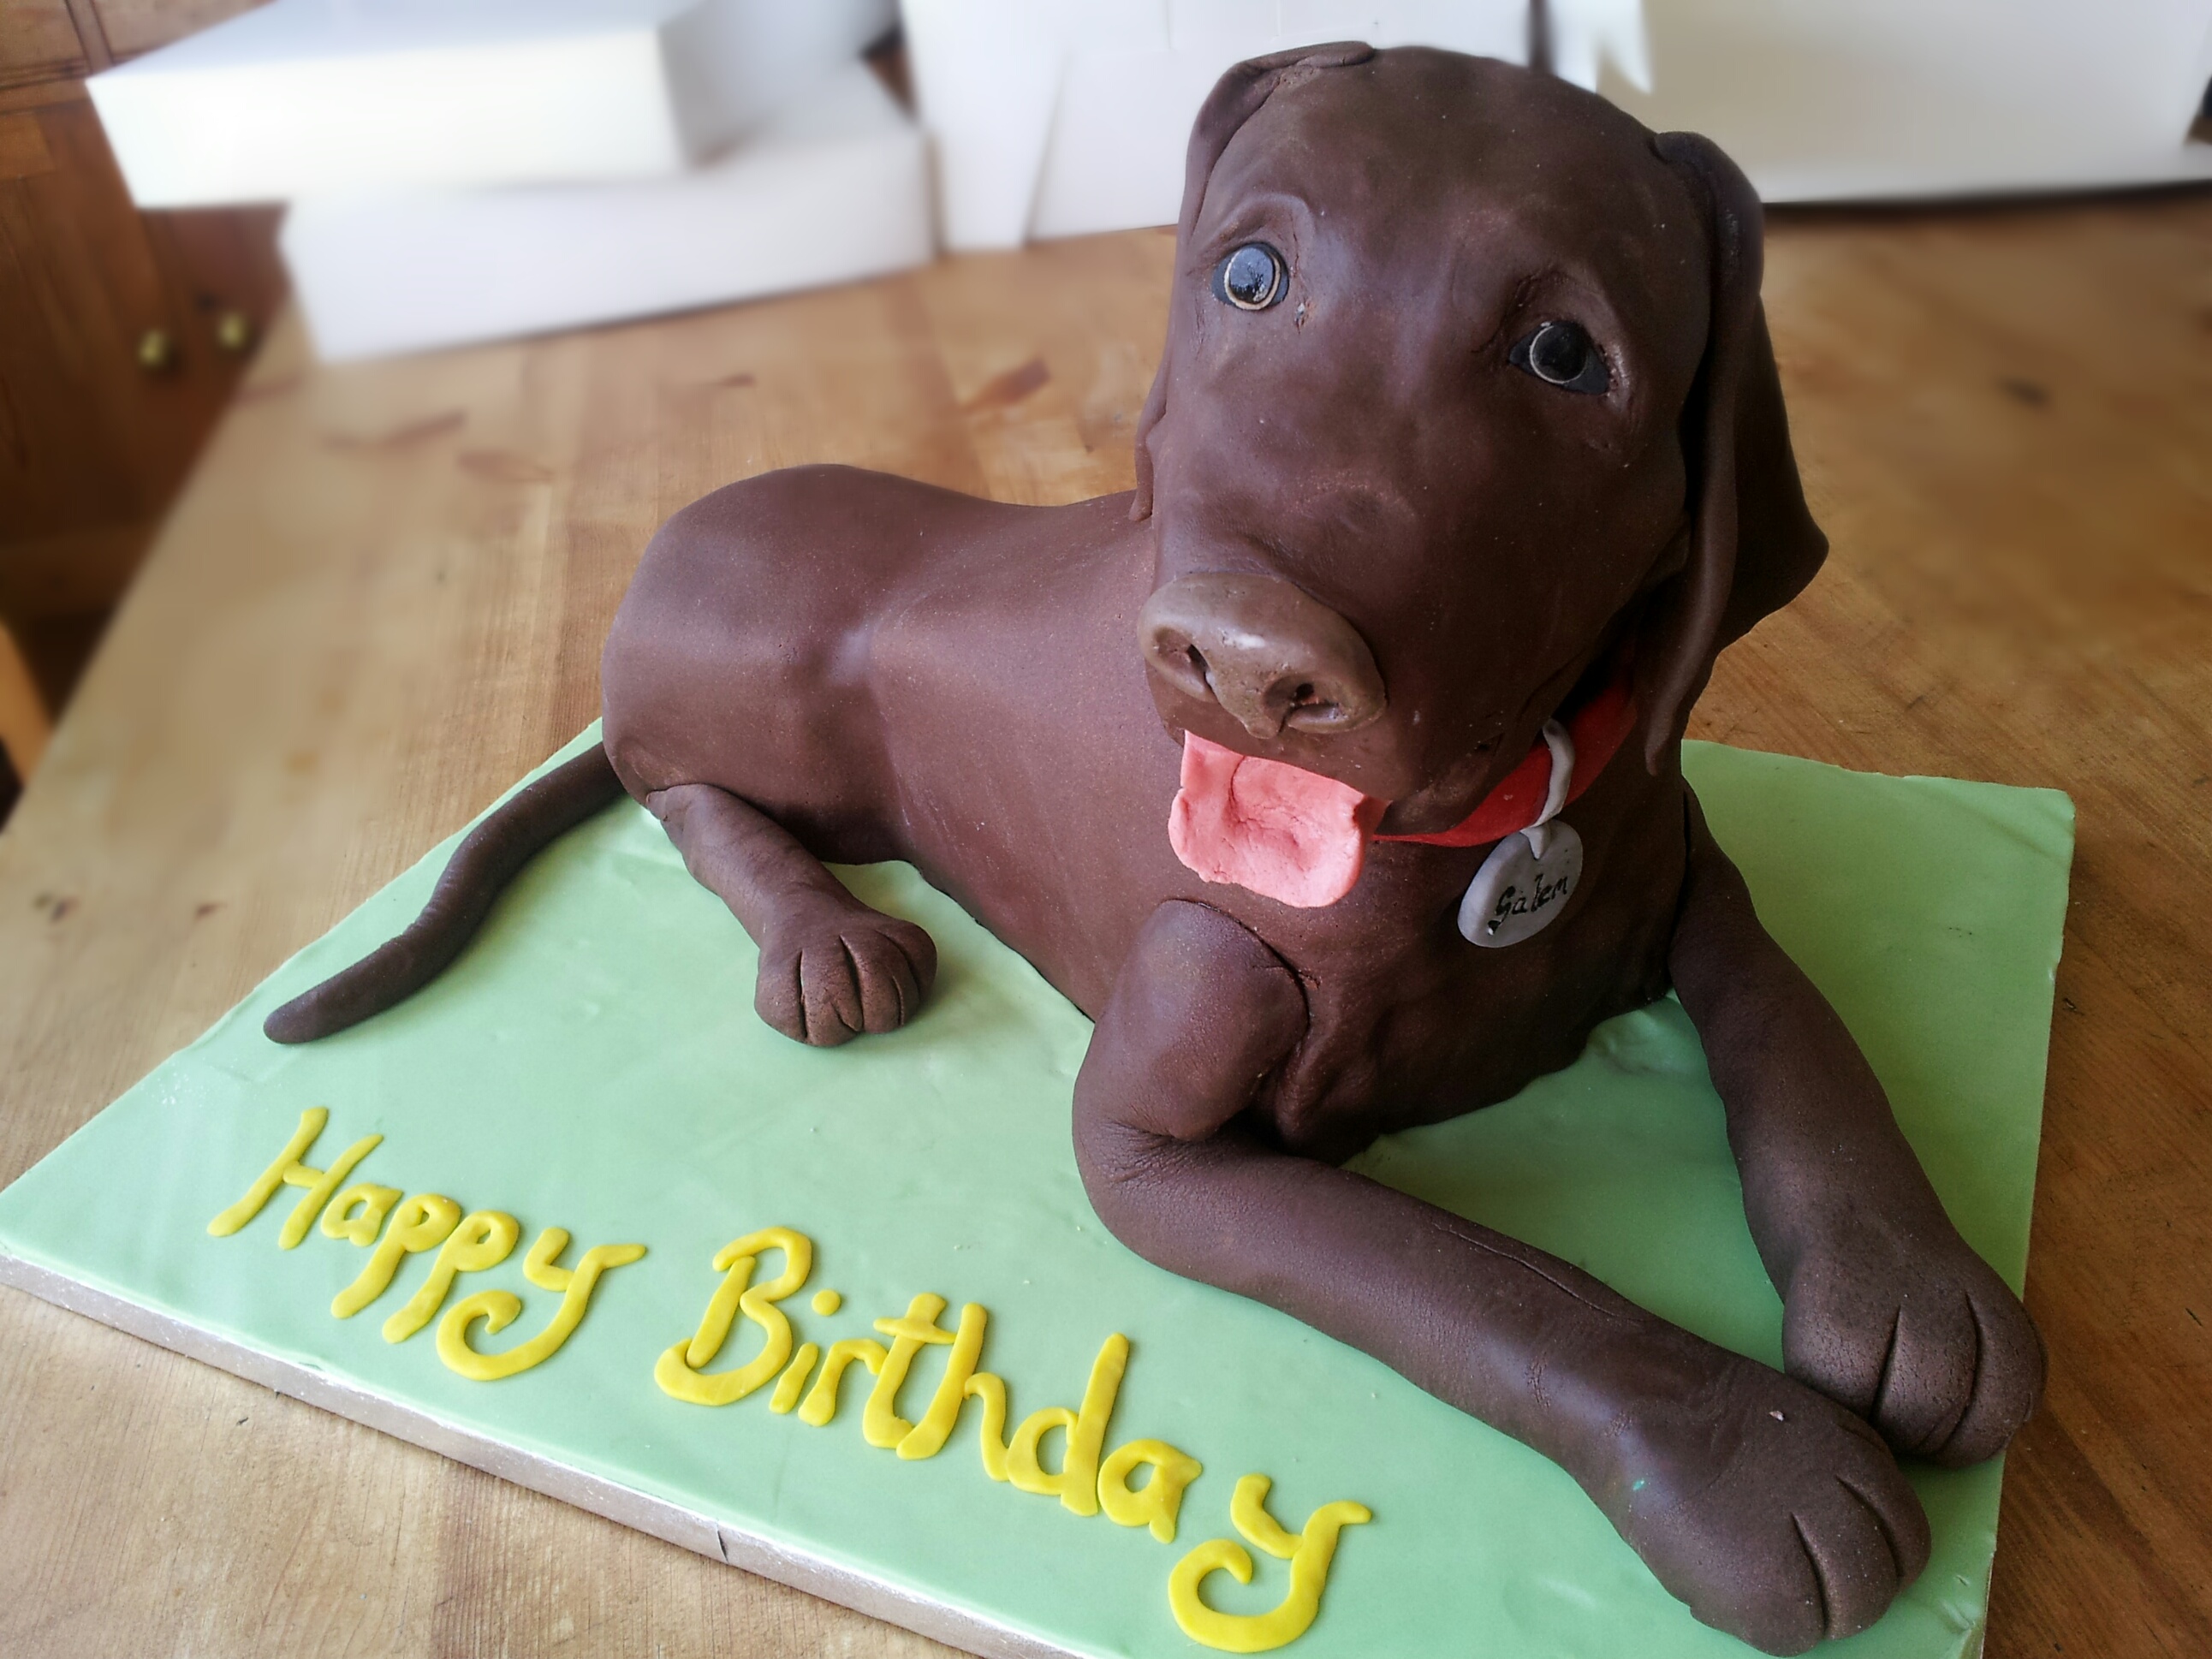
830	968
1773	1511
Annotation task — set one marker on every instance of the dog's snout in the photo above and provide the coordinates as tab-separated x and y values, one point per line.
1273	658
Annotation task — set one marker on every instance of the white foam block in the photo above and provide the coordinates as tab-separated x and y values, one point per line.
1055	117
832	188
1885	99
1114	156
303	97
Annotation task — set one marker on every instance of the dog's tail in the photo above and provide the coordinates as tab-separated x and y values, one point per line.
491	856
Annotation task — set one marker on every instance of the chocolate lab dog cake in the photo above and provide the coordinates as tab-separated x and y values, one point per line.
1334	773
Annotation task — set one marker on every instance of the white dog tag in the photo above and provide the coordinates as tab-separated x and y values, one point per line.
1529	876
1518	890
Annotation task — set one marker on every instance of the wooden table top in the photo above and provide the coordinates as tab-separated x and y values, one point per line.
382	596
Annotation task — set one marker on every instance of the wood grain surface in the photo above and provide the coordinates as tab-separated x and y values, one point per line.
381	598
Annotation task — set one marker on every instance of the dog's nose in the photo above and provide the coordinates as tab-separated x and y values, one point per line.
1271	656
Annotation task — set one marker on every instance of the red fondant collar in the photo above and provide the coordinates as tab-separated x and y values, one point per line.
1599	727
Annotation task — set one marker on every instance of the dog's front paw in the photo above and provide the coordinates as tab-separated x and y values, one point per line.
830	971
1915	1333
1774	1513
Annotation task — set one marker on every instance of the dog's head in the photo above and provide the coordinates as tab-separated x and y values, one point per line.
1466	393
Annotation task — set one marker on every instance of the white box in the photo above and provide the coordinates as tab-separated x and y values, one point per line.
310	96
1054	117
833	187
1818	100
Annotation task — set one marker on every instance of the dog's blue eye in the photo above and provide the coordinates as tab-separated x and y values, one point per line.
1562	355
1250	278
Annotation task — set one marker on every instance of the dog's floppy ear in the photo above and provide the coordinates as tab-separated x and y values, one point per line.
1752	542
1236	98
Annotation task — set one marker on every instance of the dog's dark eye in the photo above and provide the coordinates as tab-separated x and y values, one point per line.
1561	354
1250	278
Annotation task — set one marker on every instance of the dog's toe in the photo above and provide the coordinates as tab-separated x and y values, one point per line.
888	990
825	980
1925	1342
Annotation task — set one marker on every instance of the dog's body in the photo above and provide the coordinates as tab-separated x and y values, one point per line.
858	714
1383	532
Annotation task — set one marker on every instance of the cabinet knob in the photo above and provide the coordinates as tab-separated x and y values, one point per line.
157	352
234	332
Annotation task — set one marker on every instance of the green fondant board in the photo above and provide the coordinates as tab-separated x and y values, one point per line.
593	1062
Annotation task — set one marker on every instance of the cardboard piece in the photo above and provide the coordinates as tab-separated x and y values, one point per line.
592	1063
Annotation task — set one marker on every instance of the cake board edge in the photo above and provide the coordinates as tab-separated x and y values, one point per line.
670	1523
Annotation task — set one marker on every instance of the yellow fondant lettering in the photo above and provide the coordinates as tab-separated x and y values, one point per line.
1310	1554
821	1403
1247	1512
680	1371
320	1184
1024	1466
1226	1632
735	1261
498	1308
539	1265
992	1391
480	1241
1076	1484
340	1222
421	1223
793	1383
826	1303
927	1437
290	1170
1154	1504
880	1423
265	1184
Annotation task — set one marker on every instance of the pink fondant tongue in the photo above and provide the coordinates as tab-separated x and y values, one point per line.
1278	830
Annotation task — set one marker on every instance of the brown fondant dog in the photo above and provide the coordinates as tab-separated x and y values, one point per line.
1467	403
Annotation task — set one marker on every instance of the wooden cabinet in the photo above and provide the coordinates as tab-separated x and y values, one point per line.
121	333
38	42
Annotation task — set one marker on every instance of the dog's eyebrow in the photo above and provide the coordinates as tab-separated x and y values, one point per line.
1240	216
1522	296
1555	283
